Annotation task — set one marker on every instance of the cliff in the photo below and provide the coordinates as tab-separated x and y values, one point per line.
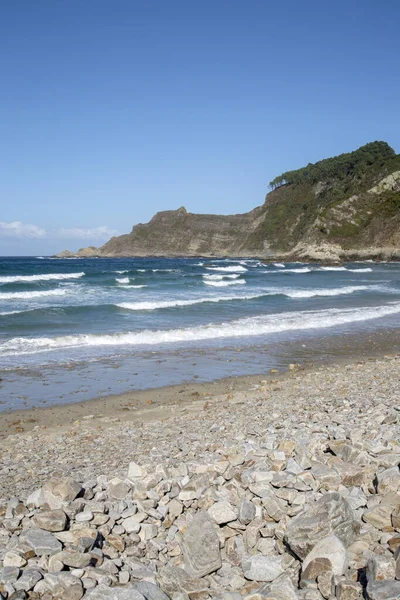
344	207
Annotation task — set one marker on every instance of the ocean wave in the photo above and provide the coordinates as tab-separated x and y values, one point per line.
325	292
279	265
125	287
247	327
121	272
149	305
221	277
225	283
331	269
11	312
366	270
299	270
30	295
43	277
231	269
122	279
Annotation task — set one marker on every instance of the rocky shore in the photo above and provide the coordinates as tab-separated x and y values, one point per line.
289	489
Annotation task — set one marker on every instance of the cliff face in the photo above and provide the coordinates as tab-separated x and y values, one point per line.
352	211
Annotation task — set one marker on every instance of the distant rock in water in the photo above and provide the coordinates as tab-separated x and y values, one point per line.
345	207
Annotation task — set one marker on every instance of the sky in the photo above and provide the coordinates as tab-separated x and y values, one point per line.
114	110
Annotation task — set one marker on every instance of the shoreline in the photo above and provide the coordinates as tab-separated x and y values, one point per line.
163	402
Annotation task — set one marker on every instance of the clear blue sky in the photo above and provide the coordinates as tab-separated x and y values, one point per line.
113	110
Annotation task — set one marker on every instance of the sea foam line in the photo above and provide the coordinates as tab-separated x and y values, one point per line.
30	295
43	277
247	327
231	269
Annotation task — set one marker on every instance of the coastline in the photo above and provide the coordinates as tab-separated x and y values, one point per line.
150	403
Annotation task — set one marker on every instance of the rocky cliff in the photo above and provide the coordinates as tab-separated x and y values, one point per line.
344	207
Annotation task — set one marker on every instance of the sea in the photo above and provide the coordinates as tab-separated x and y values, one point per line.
85	328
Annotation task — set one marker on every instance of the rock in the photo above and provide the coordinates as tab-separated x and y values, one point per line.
28	580
200	546
150	591
9	574
59	490
381	567
331	514
76	560
51	520
135	471
262	568
396	517
280	589
380	516
103	592
388	480
349	590
247	511
315	568
13	559
117	489
222	512
332	549
43	542
383	590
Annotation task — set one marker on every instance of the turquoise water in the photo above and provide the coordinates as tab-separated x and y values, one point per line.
79	311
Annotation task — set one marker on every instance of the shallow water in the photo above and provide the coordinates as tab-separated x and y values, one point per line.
90	317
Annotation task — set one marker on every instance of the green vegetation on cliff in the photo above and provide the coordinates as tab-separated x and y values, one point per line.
352	164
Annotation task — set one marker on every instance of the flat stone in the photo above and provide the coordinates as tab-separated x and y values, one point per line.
315	568
76	560
43	542
331	514
28	580
222	512
103	592
381	567
150	591
200	546
51	520
349	590
262	568
388	480
84	516
9	574
332	549
380	516
13	559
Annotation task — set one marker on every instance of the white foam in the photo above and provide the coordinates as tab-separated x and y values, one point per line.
279	265
225	283
366	270
221	277
132	286
299	270
11	312
141	270
122	279
121	272
231	269
30	295
248	327
325	291
44	277
149	305
332	269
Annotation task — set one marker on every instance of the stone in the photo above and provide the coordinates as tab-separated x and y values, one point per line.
150	591
381	567
104	592
9	574
349	590
200	546
396	517
383	590
135	471
380	516
247	511
262	568
84	516
76	560
51	520
28	580
42	542
59	490
331	514
280	589
118	489
222	512
331	548
388	480
13	559
315	568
